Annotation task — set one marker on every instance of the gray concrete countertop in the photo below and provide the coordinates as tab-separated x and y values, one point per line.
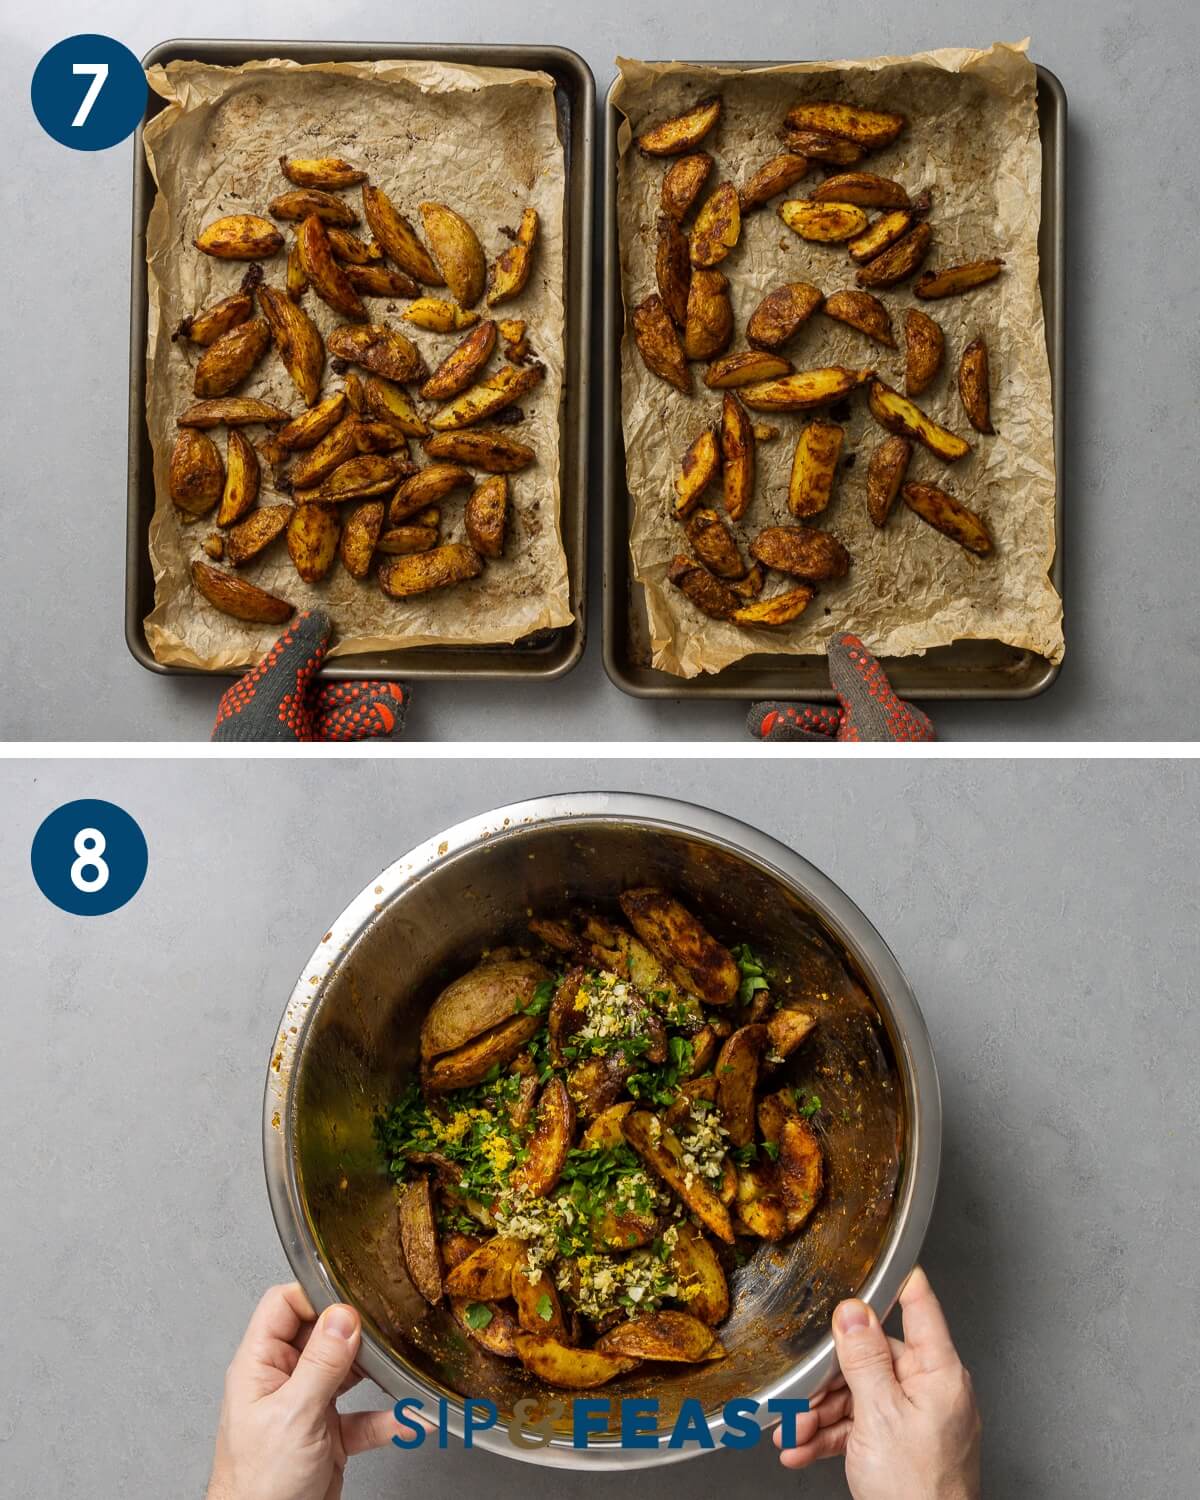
1133	446
1046	914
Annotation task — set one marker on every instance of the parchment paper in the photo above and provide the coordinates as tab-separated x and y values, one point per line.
972	139
485	140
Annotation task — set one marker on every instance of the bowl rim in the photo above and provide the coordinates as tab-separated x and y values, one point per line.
910	1039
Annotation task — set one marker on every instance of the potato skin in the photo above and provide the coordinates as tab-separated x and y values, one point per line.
953	280
683	183
774	176
974	386
510	273
862	311
826	223
709	324
924	350
885	474
870	128
696	1266
896	413
804	390
418	1239
224	365
658	344
320	171
787	1028
814	468
196	475
497	1336
436	569
360	532
351	250
379	281
208	325
494	452
701	465
710	596
337	447
801	1171
240	237
478	1000
486	516
312	538
745	369
457	250
780	314
879	236
359	478
715	545
779	609
867	189
397	237
682	133
550	1142
819	145
737	1080
738	456
239	598
231	411
680	941
387	402
428	485
380	349
304	201
297	341
899	261
717	228
241	478
659	1148
462	365
575	1369
326	276
803	551
949	516
253	535
489	396
673	269
487	1273
667	1334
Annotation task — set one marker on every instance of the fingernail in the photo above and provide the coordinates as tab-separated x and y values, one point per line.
851	1316
340	1321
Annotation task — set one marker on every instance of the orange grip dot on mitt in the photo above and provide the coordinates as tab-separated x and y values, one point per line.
869	709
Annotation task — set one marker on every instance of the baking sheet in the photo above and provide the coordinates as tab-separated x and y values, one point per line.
974	120
482	138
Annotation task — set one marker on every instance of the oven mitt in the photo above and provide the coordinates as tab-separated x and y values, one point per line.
278	700
869	709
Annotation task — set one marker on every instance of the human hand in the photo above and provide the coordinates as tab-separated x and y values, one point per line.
903	1413
281	1436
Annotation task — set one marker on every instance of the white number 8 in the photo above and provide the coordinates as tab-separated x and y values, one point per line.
89	846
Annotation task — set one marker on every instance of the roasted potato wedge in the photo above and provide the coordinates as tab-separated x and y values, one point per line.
710	596
378	348
439	315
297	341
772	178
702	965
337	447
871	128
496	1332
717	228
773	1110
879	236
699	1273
306	430
867	189
974	386
814	468
326	276
312	540
949	516
295	281
457	251
715	545
673	269
487	1273
510	273
664	1335
709	324
658	344
738	455
598	1082
803	551
359	478
486	516
235	596
462	365
760	1209
899	261
924	350
826	223
492	992
403	541
746	368
538	1307
683	183
231	411
548	1145
240	490
298	205
490	396
215	321
805	390
801	1171
379	437
240	237
494	452
436	569
360	533
575	1369
781	313
701	465
224	365
455	1247
862	311
389	403
786	1029
352	250
681	133
605	1129
418	1239
659	1148
819	145
737	1080
256	533
779	609
898	414
380	281
499	1044
397	238
885	474
952	280
320	171
196	475
426	487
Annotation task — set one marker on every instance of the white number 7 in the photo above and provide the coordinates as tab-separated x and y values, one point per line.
99	72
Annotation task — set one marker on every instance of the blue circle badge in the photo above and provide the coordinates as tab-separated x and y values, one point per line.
89	857
89	92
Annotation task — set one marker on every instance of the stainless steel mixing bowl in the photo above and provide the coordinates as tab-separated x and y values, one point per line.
347	1045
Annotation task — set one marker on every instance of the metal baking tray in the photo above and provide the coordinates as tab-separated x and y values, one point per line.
966	669
548	654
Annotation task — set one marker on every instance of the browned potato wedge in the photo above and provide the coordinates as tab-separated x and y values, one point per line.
899	261
214	322
418	1239
490	396
814	468
337	447
690	1092
826	223
597	1083
885	474
751	585
403	541
779	609
862	311
879	236
715	545
778	317
673	269
728	1188
320	171
683	183
538	1307
457	251
773	177
867	189
359	536
494	452
352	250
487	1273
476	1001
682	133
326	276
436	569
737	454
299	204
682	944
802	551
241	479
666	1335
499	1044
949	516
745	369
378	348
819	145
699	1273
709	324
805	389
239	237
306	430
511	270
486	516
312	538
462	365
612	1231
895	412
658	344
659	1148
704	1049
548	1146
717	228
773	1110
924	349
455	1247
379	437
297	341
224	365
235	596
357	479
380	281
397	238
231	411
438	315
701	465
800	1171
710	596
737	1080
871	128
253	535
196	475
974	386
760	1209
575	1369
786	1029
388	403
426	487
496	1332
952	280
605	1129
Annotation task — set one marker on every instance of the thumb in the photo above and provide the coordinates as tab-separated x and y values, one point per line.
325	1361
864	1354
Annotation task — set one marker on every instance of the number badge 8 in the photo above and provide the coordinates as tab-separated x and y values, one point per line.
89	858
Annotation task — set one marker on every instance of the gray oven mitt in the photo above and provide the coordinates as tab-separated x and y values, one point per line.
869	709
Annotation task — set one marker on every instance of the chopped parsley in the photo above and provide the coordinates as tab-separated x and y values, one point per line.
808	1107
545	1308
477	1315
660	1085
539	1002
754	973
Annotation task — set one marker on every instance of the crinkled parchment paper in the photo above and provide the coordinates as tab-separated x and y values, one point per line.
972	139
484	140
